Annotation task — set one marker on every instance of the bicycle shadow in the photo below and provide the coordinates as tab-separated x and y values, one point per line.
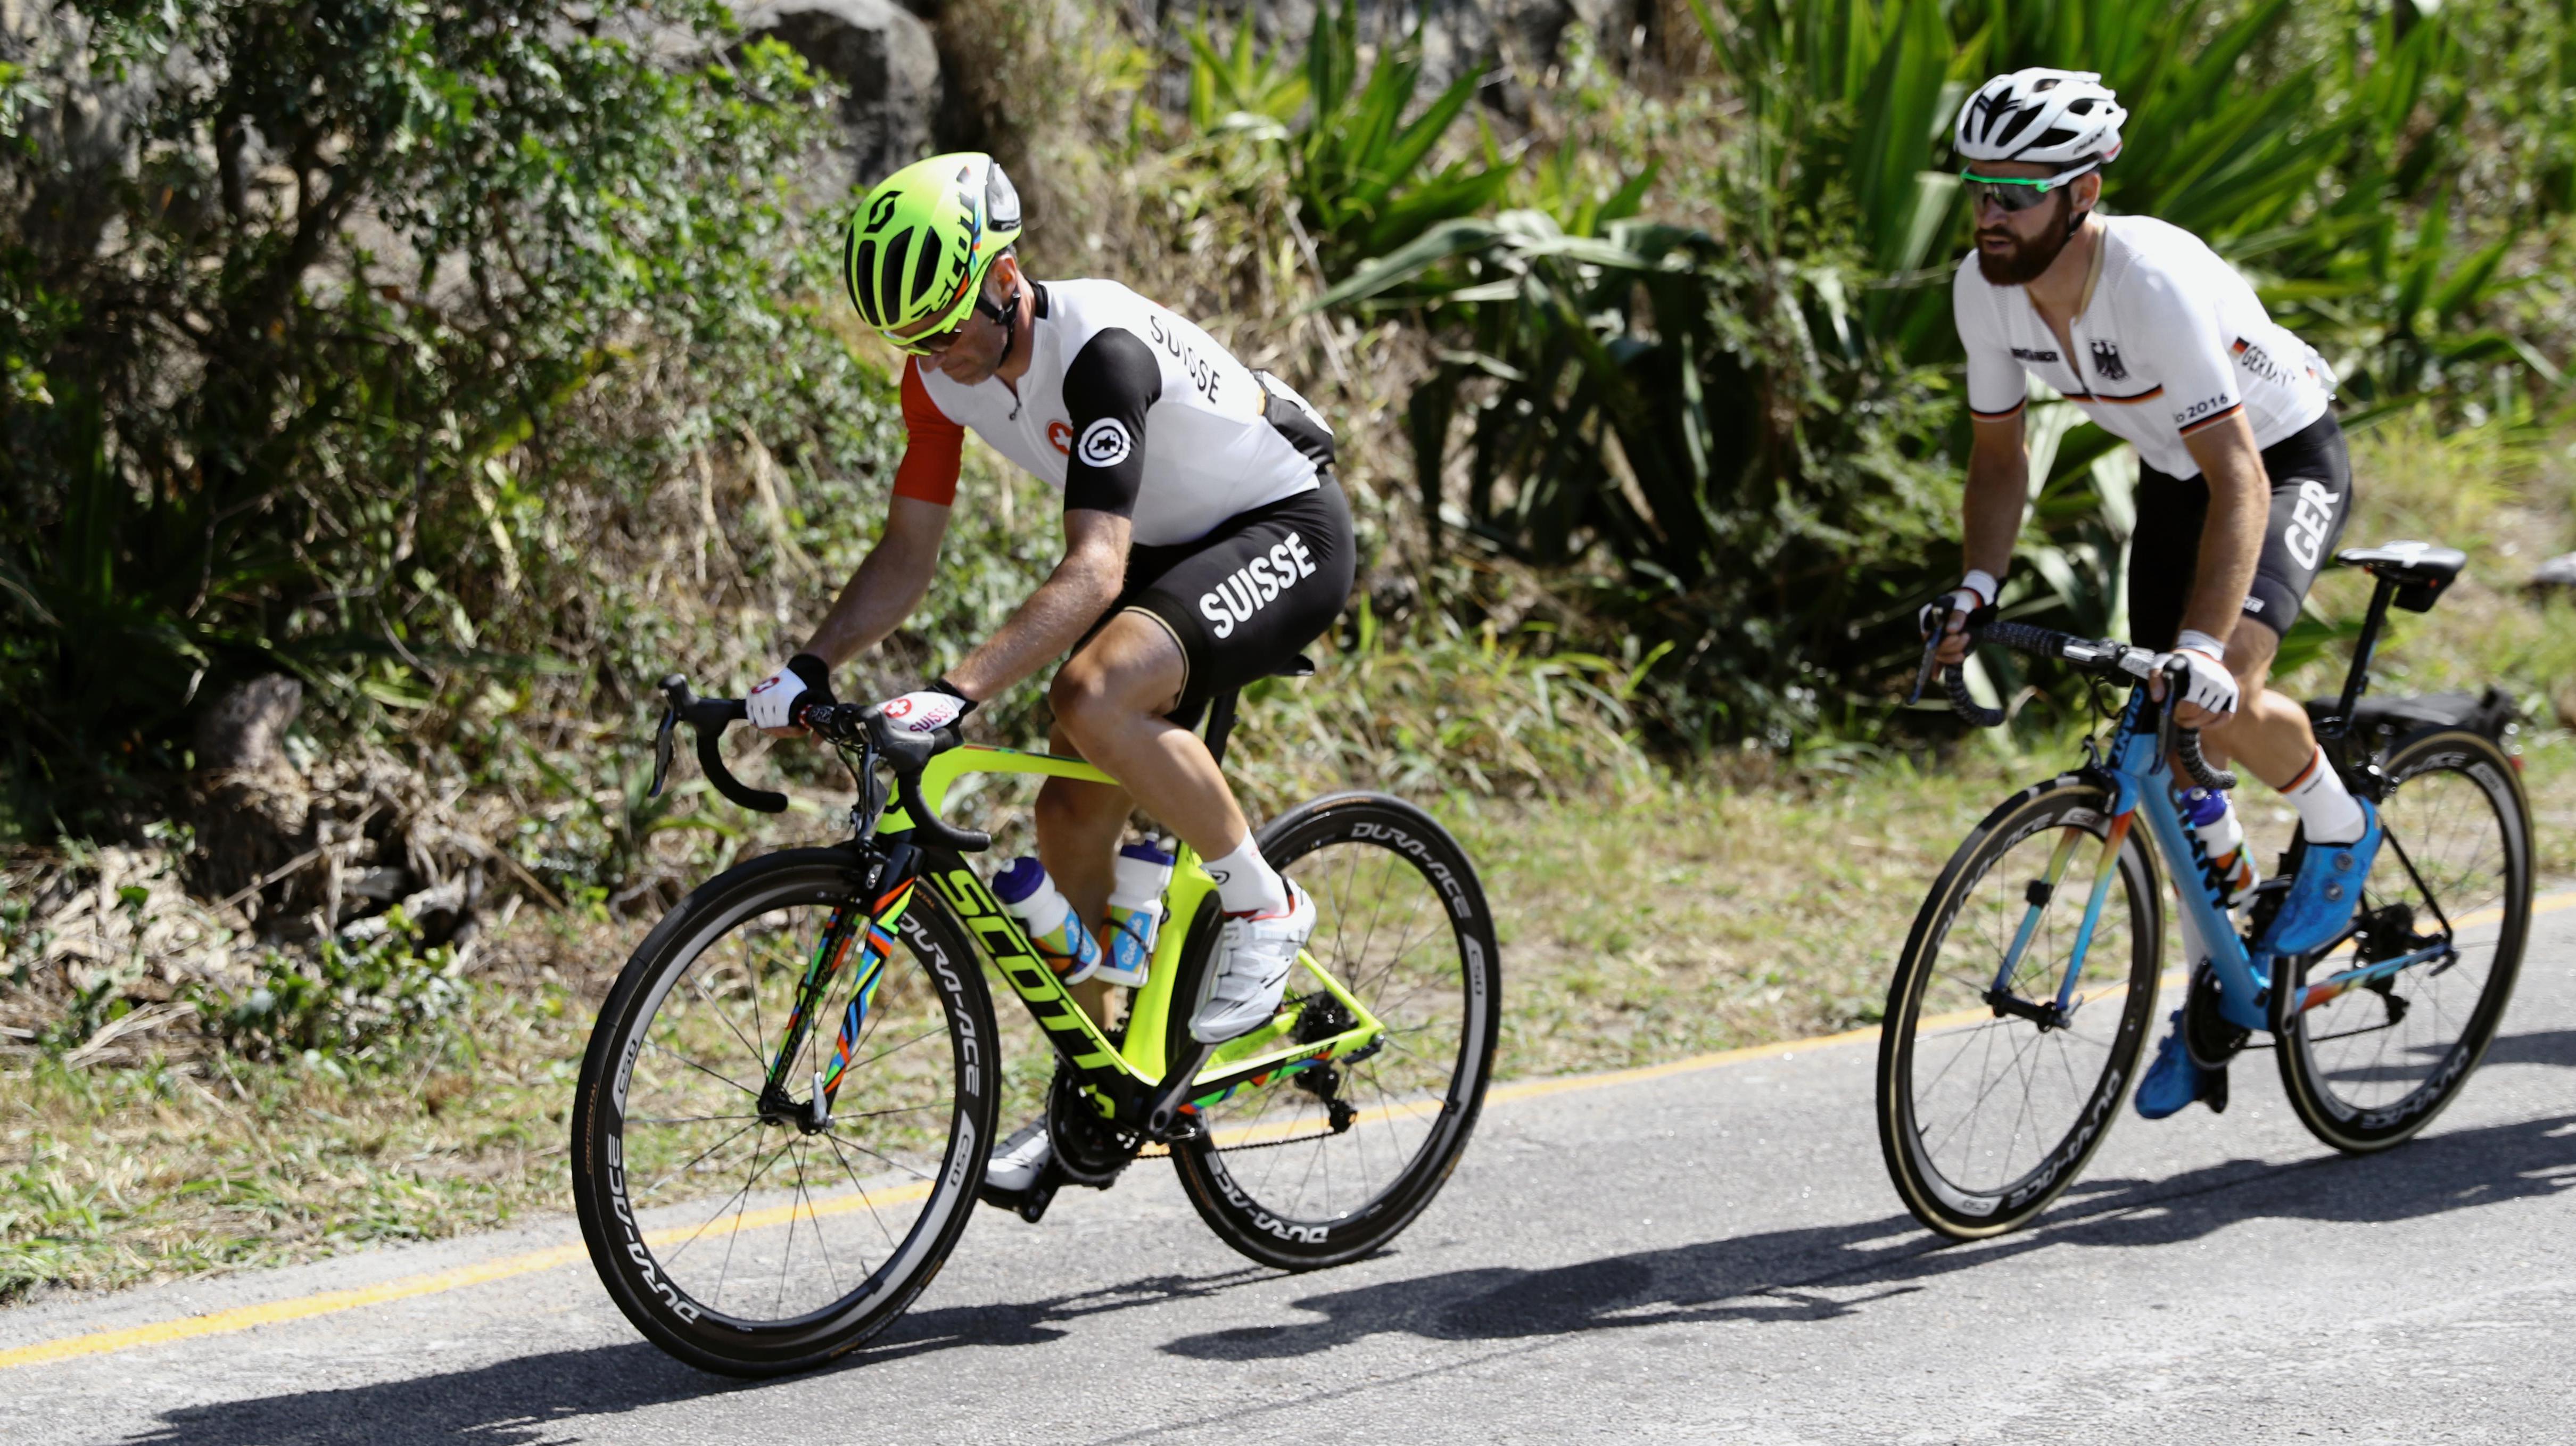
1831	1271
526	1398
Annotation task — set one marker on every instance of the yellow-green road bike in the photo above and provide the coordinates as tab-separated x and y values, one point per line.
790	1094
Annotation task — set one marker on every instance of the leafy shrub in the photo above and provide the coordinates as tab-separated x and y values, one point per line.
374	316
368	988
1740	441
1357	165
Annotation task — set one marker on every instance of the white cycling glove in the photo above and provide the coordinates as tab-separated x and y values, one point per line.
1976	590
773	700
925	710
2209	685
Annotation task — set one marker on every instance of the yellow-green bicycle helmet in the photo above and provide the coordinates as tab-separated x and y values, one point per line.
922	240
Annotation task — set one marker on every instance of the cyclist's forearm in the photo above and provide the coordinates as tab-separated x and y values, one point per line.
1044	628
888	585
1997	492
2231	538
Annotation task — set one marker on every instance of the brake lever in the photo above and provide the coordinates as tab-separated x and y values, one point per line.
1931	661
675	695
2175	670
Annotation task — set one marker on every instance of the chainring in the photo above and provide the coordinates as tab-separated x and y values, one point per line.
1089	1150
2206	1032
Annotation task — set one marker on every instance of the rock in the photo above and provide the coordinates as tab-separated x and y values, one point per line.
2559	571
888	60
245	728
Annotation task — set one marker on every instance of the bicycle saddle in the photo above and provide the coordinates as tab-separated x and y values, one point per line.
2421	570
1299	666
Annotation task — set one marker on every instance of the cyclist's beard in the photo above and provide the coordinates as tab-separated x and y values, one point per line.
2026	260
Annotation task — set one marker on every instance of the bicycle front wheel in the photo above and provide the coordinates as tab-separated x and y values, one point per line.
756	1237
1401	922
1990	1102
2369	1067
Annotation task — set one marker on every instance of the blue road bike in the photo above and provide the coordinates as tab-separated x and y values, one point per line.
2027	991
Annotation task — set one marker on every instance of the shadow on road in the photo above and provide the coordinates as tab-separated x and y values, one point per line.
1829	1271
507	1401
521	1400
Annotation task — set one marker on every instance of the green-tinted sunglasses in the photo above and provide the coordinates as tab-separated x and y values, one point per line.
2015	193
940	341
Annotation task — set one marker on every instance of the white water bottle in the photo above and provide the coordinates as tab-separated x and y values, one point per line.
2223	853
1061	940
1135	913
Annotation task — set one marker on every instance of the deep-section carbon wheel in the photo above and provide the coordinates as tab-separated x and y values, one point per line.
1401	921
2368	1068
1985	1113
759	1241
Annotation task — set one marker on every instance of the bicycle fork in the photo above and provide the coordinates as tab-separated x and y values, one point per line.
2059	1012
874	930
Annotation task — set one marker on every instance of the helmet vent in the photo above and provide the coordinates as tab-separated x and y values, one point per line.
890	281
863	261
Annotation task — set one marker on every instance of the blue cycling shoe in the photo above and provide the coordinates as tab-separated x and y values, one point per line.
2175	1079
2322	895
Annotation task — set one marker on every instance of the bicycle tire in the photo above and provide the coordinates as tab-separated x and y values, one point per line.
2348	1094
1252	1207
648	1015
1958	1192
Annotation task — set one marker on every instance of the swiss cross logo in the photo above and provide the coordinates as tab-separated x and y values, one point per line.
899	708
1060	437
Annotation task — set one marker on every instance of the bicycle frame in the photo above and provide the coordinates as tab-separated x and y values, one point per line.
2139	776
1123	1072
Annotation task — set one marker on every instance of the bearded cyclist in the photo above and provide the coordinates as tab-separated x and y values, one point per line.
1206	543
2243	481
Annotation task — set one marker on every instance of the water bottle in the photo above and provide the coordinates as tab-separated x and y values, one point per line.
1060	937
2222	844
1135	913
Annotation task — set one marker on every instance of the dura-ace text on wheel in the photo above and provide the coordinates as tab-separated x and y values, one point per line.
1991	1101
2368	1066
744	1234
1334	1164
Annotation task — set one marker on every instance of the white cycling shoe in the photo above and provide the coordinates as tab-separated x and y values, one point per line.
1260	951
1016	1166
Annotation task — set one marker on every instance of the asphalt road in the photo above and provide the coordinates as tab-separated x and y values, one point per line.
1704	1254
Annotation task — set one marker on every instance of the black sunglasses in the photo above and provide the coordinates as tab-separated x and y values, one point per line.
2013	193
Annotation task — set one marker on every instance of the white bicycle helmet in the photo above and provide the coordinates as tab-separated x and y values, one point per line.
2048	117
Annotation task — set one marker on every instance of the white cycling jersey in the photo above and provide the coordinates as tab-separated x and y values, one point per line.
2172	341
1125	408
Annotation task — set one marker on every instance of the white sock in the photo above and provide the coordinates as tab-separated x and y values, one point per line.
1246	884
2327	810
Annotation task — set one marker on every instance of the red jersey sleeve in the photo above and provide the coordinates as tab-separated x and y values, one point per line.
933	446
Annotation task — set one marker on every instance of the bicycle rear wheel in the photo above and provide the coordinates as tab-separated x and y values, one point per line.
1401	922
758	1241
2368	1068
1985	1115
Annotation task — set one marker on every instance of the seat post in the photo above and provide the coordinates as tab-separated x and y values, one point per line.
2358	677
1220	725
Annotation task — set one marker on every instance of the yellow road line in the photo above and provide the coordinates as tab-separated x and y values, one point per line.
242	1318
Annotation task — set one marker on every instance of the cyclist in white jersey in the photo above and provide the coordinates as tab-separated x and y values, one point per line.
1206	542
2243	479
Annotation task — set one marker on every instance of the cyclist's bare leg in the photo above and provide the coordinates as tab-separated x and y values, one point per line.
1078	826
2269	735
1110	699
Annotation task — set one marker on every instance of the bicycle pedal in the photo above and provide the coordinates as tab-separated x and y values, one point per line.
1029	1204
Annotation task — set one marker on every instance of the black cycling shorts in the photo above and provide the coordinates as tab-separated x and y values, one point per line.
1248	597
2311	496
